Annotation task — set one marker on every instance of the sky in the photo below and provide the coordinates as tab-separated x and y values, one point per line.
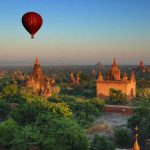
76	32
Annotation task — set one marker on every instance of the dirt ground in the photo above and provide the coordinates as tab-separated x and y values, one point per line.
105	123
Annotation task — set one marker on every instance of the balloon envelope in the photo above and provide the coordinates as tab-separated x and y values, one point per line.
32	22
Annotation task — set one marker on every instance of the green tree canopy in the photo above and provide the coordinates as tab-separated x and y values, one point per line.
9	91
101	143
117	97
7	130
4	109
26	113
141	119
52	132
122	138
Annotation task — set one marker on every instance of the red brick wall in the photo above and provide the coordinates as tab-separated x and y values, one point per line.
124	110
103	87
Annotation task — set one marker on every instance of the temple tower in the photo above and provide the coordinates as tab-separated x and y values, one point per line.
40	83
100	76
114	73
132	77
142	67
125	78
37	72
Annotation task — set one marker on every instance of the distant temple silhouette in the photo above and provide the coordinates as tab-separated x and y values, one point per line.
73	80
114	81
40	83
141	67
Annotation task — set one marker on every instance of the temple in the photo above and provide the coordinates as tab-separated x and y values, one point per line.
73	80
40	83
114	80
141	67
18	76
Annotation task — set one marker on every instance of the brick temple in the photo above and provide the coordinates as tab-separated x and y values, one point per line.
40	83
114	80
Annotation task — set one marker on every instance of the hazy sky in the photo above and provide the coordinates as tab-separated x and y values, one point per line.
76	31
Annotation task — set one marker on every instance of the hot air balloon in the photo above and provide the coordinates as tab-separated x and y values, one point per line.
32	22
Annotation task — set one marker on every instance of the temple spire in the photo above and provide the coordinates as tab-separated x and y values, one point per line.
37	60
142	67
136	145
125	78
132	77
114	63
72	78
114	73
141	63
100	76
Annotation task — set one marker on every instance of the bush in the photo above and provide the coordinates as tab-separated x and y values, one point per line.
84	110
4	109
9	91
7	130
143	93
134	121
28	112
101	143
141	119
116	97
122	137
144	128
11	94
25	137
139	115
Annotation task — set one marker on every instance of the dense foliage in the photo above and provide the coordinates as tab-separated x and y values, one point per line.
27	112
28	120
141	119
84	110
116	97
55	124
102	143
143	94
51	132
122	138
4	109
7	130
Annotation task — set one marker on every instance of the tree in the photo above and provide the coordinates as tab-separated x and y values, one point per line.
101	143
4	109
5	82
139	115
122	137
51	132
26	137
67	134
144	128
85	79
7	130
98	103
84	110
117	97
9	91
143	94
11	94
141	119
26	113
